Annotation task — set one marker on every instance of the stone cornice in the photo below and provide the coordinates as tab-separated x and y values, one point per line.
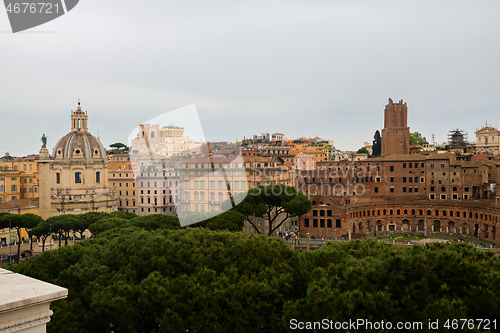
26	322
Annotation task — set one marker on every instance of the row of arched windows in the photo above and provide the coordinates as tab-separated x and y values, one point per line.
422	212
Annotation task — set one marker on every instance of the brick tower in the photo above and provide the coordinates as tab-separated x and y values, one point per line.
396	133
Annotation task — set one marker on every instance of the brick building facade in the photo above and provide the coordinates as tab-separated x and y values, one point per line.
435	193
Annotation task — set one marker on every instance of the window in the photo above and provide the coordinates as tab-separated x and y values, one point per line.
404	179
391	168
391	179
322	223
337	223
315	223
78	177
306	223
376	189
392	190
443	196
443	189
432	196
404	165
404	189
58	178
98	178
329	223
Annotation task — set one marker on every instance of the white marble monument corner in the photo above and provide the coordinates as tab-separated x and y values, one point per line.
25	302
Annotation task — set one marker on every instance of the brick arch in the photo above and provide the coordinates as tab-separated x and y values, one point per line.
464	228
436	226
451	227
420	225
405	225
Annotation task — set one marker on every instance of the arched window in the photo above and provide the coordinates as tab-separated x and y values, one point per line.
202	196
98	177
196	197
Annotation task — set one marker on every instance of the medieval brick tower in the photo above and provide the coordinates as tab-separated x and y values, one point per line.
396	133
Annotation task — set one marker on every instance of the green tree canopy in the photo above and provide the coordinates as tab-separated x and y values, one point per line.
231	220
118	145
276	203
198	280
193	280
363	150
417	139
18	222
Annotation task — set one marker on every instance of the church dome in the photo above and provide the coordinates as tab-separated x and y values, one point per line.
79	143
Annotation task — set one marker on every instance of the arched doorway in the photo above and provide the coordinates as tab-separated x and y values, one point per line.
420	225
465	229
360	227
405	225
451	227
476	230
380	226
436	226
486	231
493	232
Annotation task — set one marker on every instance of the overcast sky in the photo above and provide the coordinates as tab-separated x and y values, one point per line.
303	68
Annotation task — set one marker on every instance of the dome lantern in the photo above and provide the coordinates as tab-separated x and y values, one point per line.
79	120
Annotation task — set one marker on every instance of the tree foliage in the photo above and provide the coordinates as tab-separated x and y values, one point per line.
276	203
417	139
198	280
18	222
231	220
377	144
363	150
376	281
191	280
